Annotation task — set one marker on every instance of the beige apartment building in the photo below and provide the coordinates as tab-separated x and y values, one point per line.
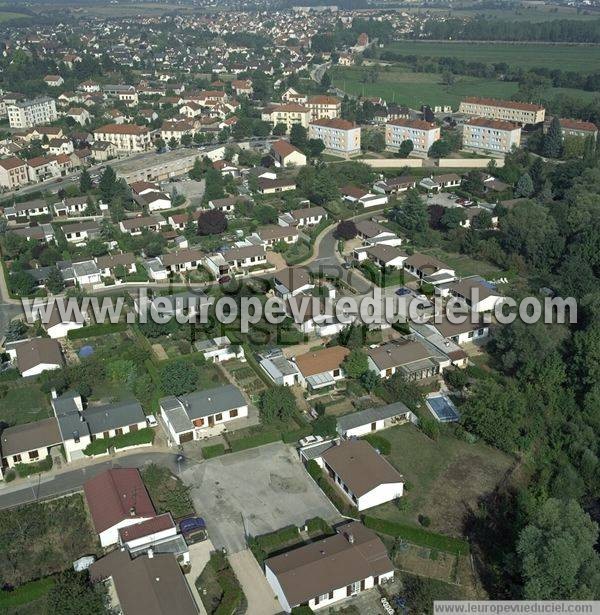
320	107
30	113
508	110
493	136
422	134
340	137
126	138
13	173
288	114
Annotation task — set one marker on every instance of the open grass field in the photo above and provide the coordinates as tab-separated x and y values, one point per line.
23	403
404	87
577	58
446	478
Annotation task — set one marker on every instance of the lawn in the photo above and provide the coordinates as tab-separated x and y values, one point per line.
23	404
567	57
167	492
538	13
445	478
465	265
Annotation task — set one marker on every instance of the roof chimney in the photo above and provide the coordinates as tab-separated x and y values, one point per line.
132	511
150	556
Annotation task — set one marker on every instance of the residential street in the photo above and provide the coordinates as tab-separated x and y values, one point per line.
42	487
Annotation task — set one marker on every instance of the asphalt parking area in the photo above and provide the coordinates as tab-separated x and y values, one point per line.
254	492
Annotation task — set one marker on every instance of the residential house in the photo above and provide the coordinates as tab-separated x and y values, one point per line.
181	260
429	269
478	295
62	320
373	233
462	333
272	233
287	155
395	185
36	355
280	370
13	173
29	443
370	420
307	216
192	416
86	273
126	138
326	571
41	168
53	81
109	264
71	206
135	226
321	368
81	232
292	281
382	255
220	349
27	210
80	115
265	185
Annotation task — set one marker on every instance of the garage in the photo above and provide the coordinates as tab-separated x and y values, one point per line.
186	437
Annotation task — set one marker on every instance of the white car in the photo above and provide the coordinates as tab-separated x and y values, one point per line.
151	420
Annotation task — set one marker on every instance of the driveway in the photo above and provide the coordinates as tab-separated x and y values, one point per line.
199	556
261	598
254	492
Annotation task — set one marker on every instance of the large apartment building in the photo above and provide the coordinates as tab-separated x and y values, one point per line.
508	110
494	136
288	114
320	107
126	138
340	137
30	113
422	134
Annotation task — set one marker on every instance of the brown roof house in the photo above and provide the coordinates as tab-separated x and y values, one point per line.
364	476
151	584
322	368
36	355
30	442
324	572
117	498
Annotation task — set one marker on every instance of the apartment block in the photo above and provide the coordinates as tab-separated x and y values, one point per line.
30	113
13	173
126	138
320	107
494	136
422	134
288	115
508	110
341	137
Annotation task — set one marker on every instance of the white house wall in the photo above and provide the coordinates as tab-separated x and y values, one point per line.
381	494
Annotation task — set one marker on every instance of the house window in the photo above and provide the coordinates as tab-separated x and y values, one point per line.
133	427
34	454
322	598
105	434
118	432
17	458
218	417
336	373
233	413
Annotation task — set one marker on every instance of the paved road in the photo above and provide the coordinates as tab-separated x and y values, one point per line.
43	487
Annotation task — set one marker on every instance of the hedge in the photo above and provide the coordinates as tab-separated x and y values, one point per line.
418	536
383	445
337	499
26	469
133	438
259	439
263	546
208	452
290	437
318	524
96	330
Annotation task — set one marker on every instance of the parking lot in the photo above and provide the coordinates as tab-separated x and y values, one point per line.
193	191
442	198
254	492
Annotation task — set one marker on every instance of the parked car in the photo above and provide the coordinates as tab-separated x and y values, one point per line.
225	279
193	529
403	291
151	420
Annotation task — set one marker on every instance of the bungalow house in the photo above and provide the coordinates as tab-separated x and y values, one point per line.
471	213
117	498
36	355
238	259
80	115
359	196
394	185
135	226
81	232
79	427
307	216
463	333
478	295
60	321
42	232
226	168
86	273
220	349
193	416
324	572
363	422
272	233
71	206
179	221
182	260
287	155
429	269
360	473
265	185
27	210
152	584
321	368
373	233
292	281
280	370
437	183
109	264
414	358
225	205
153	201
383	255
29	443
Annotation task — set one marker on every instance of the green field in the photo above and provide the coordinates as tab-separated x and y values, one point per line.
577	58
399	85
534	14
23	404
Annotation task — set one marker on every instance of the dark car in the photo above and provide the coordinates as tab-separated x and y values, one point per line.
403	291
192	524
225	279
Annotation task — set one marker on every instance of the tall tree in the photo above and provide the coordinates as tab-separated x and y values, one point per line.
553	144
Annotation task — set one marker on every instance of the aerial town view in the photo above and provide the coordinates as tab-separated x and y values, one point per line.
297	307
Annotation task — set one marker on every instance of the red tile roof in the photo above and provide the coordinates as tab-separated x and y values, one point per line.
508	104
419	124
121	129
116	495
334	123
495	124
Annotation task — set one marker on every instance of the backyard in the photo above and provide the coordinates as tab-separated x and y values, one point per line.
22	402
445	478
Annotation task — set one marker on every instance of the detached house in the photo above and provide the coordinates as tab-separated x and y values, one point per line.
322	368
308	216
135	226
13	173
36	355
326	571
272	234
81	232
287	155
193	416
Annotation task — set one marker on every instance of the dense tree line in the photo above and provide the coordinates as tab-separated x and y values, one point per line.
483	29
